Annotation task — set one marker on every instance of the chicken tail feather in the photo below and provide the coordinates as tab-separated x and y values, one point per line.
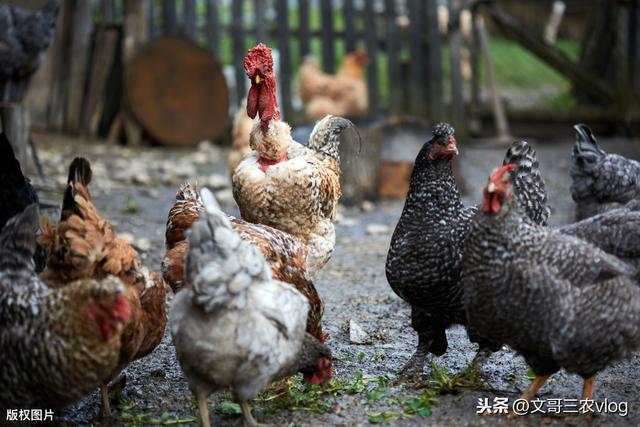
586	150
79	173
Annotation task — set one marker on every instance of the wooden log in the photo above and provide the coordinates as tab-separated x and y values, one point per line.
393	48
328	52
239	50
371	43
303	27
582	79
433	88
285	56
79	60
212	30
349	26
104	52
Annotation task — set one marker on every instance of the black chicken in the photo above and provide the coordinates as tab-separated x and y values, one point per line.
557	300
601	181
24	37
16	192
423	263
615	231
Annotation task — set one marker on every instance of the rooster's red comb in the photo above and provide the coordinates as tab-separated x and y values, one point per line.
258	57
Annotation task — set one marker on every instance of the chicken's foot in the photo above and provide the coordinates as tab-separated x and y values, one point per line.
413	370
588	388
535	385
105	408
203	407
249	421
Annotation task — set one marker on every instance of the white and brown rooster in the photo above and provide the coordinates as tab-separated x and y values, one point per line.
284	184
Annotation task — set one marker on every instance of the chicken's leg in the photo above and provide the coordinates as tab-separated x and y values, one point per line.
535	385
203	407
413	369
588	387
105	409
249	421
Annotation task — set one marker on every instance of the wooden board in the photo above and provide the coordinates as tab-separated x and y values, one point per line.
177	92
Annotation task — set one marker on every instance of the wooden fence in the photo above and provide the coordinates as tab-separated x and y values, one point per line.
405	70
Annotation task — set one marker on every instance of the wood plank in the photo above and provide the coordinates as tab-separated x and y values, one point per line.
239	49
261	21
59	78
455	47
418	68
328	52
349	26
169	17
79	60
152	15
189	27
476	77
107	10
213	28
371	43
392	39
304	28
434	63
284	39
134	36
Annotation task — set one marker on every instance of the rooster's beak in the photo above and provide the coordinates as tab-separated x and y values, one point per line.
258	80
491	187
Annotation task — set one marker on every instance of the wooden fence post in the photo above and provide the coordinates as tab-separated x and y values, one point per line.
303	27
328	52
212	30
371	43
419	76
434	63
189	25
239	50
169	17
135	34
457	94
79	59
392	43
285	56
349	26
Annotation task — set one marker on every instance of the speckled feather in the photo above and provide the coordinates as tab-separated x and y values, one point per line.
557	300
52	354
600	181
285	254
299	195
235	326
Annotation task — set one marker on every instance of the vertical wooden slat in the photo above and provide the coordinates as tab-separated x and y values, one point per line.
189	27
393	48
107	10
239	49
434	63
349	26
213	23
328	55
151	18
285	56
418	70
261	22
303	27
455	47
169	17
80	43
475	64
371	43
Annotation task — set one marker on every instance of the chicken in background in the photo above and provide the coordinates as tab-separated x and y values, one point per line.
285	254
341	94
240	133
83	245
600	181
282	183
557	300
58	345
234	326
16	193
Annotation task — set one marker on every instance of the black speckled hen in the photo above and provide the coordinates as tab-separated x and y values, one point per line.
600	181
423	261
557	300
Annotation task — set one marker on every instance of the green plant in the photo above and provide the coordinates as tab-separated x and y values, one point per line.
128	414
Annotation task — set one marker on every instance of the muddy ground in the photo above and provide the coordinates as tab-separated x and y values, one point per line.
135	189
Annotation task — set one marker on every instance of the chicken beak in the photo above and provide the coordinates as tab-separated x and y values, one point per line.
491	187
258	79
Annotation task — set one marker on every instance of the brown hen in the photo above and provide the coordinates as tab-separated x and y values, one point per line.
84	245
285	254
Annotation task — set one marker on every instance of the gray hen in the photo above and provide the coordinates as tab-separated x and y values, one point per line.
24	37
600	181
234	326
555	299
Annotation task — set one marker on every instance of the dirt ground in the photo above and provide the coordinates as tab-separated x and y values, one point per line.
135	189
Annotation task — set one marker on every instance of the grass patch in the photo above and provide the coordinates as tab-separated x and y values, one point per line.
129	415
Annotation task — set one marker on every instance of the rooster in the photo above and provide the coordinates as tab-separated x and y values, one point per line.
342	94
600	181
16	193
83	245
557	300
423	263
234	326
284	184
57	344
285	254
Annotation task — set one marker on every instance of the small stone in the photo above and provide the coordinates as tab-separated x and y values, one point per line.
127	237
216	181
143	244
376	229
367	206
200	158
346	221
225	197
357	335
141	178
